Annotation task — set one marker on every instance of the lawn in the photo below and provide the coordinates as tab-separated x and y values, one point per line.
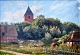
5	53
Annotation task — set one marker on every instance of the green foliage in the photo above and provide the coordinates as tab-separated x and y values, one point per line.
5	53
46	41
45	28
20	27
55	39
55	31
63	38
34	33
41	16
48	36
69	26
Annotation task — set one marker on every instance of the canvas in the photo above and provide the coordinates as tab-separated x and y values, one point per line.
40	27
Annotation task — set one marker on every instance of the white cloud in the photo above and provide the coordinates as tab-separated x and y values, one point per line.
56	4
79	8
21	4
36	8
78	1
17	16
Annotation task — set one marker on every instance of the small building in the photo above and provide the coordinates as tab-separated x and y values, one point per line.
28	16
8	33
74	39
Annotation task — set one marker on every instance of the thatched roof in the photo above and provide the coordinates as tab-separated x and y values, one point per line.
8	30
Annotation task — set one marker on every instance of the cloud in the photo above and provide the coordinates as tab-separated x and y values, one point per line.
57	4
21	4
18	15
78	1
79	8
36	8
14	17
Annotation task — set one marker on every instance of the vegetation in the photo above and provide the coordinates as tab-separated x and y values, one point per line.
4	53
45	29
65	50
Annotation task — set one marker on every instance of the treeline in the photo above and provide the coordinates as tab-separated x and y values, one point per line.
45	29
48	28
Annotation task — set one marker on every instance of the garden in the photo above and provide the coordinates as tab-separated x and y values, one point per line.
40	50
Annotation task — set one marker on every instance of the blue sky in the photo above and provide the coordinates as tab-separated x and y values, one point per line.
65	10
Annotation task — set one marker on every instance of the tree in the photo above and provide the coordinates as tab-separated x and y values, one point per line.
48	36
55	31
63	32
34	33
63	38
41	16
46	42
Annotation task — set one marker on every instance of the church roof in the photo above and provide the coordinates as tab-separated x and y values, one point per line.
28	11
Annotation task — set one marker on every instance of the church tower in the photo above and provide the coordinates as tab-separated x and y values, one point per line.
28	16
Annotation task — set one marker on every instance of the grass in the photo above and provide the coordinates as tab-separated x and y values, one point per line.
5	53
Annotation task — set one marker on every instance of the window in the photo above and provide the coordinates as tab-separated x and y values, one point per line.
3	33
75	43
28	17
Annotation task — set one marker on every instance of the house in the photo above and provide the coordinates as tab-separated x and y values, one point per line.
74	39
8	33
28	16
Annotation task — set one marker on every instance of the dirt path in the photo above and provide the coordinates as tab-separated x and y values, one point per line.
16	53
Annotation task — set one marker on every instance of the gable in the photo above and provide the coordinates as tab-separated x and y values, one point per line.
8	30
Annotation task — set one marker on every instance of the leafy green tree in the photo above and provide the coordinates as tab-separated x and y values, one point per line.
69	26
45	28
55	39
34	33
46	42
48	36
41	16
63	38
63	32
55	31
20	27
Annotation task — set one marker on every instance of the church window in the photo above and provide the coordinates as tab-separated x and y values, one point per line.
29	17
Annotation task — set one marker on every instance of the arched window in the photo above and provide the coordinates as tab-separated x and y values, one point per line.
28	17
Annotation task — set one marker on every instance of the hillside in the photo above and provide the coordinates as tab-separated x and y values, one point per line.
45	29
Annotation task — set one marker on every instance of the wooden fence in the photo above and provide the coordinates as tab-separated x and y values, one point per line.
62	52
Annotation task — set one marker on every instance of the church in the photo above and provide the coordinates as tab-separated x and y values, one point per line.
28	16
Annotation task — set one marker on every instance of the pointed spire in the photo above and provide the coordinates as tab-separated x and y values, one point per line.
28	11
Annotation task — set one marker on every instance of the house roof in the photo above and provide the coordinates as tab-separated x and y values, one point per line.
74	37
9	30
28	12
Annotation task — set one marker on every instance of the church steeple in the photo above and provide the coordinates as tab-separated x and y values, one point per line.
28	11
28	16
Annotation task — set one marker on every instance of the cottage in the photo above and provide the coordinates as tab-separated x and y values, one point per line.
74	39
8	33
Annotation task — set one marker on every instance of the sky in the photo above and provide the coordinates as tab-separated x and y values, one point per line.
65	10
